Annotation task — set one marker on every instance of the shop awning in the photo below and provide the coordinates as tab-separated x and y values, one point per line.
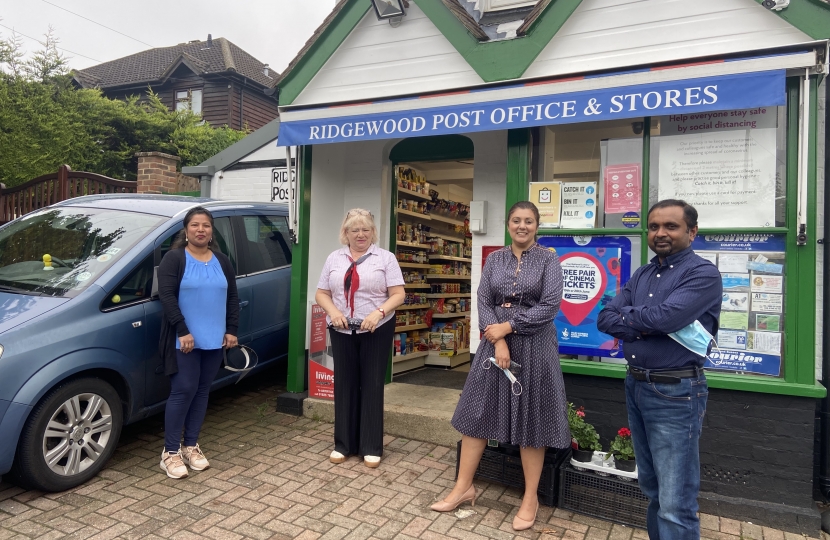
677	90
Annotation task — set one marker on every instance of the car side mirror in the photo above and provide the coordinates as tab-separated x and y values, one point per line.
154	290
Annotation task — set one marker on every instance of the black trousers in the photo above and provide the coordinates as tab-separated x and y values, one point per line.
360	362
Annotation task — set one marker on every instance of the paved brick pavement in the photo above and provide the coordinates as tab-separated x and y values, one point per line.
270	478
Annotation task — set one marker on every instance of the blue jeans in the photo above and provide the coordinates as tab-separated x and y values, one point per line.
665	422
188	401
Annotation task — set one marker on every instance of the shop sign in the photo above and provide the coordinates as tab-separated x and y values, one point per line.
320	361
593	272
280	185
682	98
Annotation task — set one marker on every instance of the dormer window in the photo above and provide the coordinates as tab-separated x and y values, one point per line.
499	5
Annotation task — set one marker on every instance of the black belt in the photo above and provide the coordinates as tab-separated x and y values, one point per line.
665	376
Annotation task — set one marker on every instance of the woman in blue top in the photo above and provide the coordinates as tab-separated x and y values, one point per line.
197	289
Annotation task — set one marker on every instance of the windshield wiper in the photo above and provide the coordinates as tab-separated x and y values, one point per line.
18	290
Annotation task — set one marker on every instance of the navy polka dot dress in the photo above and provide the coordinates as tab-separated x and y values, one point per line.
488	409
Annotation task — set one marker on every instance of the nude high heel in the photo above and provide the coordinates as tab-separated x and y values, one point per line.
520	524
444	506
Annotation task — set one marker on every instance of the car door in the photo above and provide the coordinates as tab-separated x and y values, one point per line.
265	260
158	384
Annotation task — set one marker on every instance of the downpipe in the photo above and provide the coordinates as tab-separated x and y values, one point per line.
824	414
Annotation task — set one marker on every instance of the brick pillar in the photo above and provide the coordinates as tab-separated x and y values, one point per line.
156	172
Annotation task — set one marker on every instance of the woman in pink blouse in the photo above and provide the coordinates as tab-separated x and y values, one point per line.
359	289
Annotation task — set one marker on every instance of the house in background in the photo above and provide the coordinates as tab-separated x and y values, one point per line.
214	78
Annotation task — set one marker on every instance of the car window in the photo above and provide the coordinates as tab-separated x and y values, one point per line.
135	287
222	235
266	241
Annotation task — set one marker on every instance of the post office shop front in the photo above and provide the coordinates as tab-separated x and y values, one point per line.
437	131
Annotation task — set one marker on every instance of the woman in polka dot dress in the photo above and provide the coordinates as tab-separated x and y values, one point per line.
518	298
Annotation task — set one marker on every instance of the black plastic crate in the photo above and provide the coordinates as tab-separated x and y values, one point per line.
503	465
604	497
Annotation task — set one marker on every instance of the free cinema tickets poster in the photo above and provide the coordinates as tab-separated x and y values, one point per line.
594	270
320	360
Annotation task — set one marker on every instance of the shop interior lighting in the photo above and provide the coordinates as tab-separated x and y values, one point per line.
390	10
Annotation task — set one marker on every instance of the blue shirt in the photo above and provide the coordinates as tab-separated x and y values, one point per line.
203	297
660	299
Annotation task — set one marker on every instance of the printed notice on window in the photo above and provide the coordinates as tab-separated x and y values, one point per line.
722	163
767	303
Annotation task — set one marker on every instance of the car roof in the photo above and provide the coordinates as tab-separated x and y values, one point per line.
163	205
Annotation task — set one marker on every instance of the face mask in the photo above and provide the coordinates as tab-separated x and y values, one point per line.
695	338
515	385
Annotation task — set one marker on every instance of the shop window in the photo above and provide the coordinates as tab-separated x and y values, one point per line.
189	100
589	176
729	165
267	245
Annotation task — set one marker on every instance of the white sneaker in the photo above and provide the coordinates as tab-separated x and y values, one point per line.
193	456
371	461
173	464
336	457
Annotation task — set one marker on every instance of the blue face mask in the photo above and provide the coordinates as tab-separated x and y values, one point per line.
695	338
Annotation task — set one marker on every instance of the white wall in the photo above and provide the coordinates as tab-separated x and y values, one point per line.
821	179
242	185
489	181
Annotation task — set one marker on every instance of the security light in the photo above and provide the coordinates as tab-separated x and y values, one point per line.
389	9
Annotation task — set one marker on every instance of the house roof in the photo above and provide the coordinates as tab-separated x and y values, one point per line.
156	65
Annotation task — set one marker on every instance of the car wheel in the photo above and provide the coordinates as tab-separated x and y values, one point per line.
69	436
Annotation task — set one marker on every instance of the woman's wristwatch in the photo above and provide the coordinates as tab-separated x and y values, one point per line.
382	311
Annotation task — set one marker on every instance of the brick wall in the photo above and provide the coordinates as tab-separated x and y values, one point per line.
157	172
756	450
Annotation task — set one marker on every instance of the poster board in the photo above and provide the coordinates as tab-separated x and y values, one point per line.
579	205
547	196
594	270
320	359
751	330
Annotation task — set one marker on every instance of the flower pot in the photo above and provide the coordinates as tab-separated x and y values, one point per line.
627	465
584	456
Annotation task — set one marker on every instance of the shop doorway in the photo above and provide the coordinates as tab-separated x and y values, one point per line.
433	188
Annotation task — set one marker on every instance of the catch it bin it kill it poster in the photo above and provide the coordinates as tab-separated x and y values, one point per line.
594	270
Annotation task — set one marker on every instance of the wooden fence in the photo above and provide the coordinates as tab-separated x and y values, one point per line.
55	187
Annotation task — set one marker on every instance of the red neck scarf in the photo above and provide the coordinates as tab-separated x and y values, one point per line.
351	281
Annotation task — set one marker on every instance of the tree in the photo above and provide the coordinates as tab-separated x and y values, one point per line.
45	121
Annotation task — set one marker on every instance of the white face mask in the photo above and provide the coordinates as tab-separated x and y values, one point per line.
515	385
695	338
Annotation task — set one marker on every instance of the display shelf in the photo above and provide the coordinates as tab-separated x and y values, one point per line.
401	366
401	243
411	327
412	306
450	295
445	276
449	258
406	264
402	212
409	193
450	315
416	286
410	356
436	217
446	237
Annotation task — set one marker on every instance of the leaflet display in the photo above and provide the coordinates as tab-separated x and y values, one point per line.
751	334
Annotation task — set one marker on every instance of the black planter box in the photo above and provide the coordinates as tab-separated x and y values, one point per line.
603	497
503	465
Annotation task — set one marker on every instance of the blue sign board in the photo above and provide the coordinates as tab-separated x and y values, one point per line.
687	99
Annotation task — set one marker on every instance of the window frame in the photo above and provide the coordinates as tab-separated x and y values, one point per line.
241	241
189	100
142	260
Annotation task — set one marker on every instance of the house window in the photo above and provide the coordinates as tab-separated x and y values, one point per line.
497	5
189	100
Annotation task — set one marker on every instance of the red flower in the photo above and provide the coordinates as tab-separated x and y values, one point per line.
624	432
580	413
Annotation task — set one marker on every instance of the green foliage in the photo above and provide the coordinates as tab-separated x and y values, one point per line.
582	432
622	446
45	122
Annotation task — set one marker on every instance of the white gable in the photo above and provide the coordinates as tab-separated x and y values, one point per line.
379	61
610	34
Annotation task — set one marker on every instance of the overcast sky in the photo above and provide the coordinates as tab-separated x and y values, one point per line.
273	31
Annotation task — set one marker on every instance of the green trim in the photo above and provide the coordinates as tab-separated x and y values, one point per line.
810	16
518	171
437	148
646	174
393	245
588	232
726	381
504	59
296	378
321	50
189	193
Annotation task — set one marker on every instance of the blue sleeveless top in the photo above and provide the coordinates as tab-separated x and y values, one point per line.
203	296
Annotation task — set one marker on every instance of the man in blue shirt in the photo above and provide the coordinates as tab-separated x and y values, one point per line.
665	388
